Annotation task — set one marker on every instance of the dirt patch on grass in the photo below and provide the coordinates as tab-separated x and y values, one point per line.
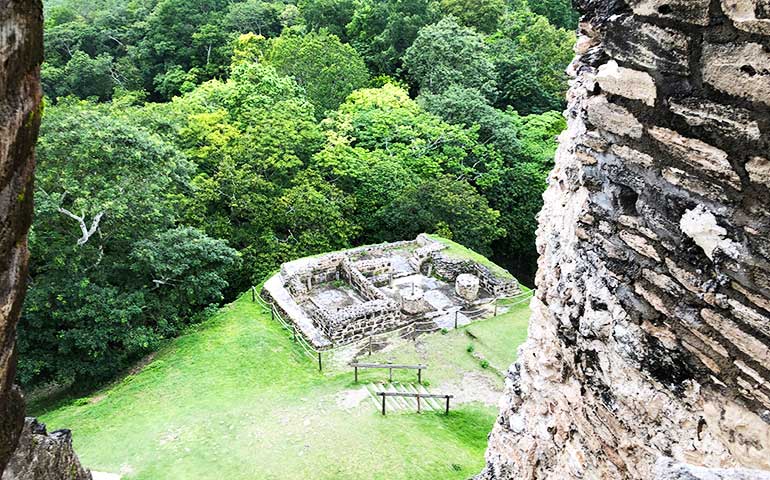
474	387
350	399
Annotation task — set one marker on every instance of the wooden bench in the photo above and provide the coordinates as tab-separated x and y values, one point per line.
390	367
418	396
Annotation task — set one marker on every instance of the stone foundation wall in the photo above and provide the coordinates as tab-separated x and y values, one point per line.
450	268
362	284
357	322
649	342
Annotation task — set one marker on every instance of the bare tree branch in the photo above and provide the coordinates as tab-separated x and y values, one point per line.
87	232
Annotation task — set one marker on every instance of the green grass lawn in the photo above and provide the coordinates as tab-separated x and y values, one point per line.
236	399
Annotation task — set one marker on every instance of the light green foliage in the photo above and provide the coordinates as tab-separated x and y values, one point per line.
384	149
531	56
327	69
266	405
382	30
387	119
446	54
480	14
537	134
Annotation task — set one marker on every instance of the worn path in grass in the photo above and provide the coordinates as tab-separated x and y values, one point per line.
236	399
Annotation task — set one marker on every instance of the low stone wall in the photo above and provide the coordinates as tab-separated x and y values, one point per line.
360	282
450	268
376	266
356	322
499	287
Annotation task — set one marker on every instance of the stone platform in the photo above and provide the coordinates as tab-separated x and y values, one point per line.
342	297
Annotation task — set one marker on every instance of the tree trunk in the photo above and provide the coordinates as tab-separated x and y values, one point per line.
21	31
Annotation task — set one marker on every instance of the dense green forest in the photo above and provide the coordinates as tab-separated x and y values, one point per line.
189	147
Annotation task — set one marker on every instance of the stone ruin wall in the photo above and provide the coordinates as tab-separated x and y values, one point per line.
649	346
450	268
356	322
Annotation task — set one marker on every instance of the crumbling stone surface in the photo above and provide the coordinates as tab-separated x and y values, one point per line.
649	346
41	455
21	51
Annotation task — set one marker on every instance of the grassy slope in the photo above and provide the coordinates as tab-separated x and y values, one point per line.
236	399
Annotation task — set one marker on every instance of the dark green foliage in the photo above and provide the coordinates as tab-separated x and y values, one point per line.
516	191
559	12
468	107
443	202
483	15
382	30
99	300
331	15
531	56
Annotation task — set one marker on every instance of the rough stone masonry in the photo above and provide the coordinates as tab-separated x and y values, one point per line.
649	347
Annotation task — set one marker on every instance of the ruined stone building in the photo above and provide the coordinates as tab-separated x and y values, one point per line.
649	347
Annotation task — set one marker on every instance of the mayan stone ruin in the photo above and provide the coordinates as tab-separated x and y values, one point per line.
343	297
649	346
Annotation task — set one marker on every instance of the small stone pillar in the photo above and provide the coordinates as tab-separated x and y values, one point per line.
411	300
467	286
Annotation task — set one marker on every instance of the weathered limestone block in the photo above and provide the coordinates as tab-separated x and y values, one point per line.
697	154
44	456
748	15
629	83
740	70
688	11
467	286
613	118
668	469
648	46
717	118
758	169
648	354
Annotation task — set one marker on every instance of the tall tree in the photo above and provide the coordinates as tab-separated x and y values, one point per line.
483	15
106	186
446	54
382	30
326	68
442	203
331	15
531	57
